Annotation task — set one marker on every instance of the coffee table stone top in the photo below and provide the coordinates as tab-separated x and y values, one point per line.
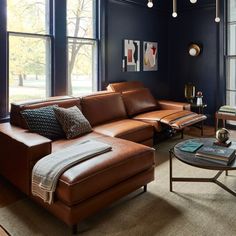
190	159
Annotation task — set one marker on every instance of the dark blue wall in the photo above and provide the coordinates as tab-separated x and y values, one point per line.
195	23
130	20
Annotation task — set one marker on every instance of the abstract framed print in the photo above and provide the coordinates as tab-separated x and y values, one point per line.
131	59
150	56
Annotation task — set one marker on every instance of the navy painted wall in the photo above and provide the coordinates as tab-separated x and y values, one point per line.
127	20
195	23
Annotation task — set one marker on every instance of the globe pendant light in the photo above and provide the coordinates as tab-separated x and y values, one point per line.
217	19
174	14
150	4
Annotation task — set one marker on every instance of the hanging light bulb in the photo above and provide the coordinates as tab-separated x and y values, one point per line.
174	14
150	4
217	19
193	1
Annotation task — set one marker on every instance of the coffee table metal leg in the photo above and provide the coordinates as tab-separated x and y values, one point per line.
170	156
225	187
226	173
209	180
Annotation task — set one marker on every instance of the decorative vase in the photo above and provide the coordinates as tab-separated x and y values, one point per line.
199	101
189	92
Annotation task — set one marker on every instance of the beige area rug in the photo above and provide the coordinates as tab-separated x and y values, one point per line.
193	209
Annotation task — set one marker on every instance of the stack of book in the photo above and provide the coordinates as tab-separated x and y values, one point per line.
229	110
219	155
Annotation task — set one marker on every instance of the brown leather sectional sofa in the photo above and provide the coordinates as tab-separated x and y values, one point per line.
95	183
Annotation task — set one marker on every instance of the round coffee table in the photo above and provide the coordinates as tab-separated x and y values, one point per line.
190	159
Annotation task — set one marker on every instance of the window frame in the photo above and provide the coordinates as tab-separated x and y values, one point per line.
48	35
95	40
228	56
58	36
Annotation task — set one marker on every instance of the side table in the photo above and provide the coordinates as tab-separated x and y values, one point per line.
199	110
224	117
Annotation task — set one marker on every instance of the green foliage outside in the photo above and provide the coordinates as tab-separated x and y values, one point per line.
29	56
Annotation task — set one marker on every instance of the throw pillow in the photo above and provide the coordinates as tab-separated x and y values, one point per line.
72	121
43	121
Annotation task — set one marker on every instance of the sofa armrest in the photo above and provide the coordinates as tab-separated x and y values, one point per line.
171	105
19	151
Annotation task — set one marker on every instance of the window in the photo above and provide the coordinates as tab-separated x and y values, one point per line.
48	48
29	49
82	46
231	54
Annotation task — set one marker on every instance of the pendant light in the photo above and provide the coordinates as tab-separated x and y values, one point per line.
150	4
174	14
217	19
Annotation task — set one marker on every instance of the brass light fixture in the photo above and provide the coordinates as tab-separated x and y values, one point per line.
175	14
217	19
150	4
189	92
194	49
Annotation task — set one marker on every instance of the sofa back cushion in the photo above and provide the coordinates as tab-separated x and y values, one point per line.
139	101
101	108
16	108
125	86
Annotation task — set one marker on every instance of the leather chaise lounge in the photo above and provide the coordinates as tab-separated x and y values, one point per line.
95	183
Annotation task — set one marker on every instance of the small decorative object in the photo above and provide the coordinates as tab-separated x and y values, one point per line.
194	50
150	56
222	136
189	92
199	98
131	60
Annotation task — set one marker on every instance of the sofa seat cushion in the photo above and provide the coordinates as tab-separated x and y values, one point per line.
84	180
174	118
128	129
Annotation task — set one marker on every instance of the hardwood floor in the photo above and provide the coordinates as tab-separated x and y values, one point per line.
8	194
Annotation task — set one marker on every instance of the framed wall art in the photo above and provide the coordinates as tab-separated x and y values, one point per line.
131	58
150	56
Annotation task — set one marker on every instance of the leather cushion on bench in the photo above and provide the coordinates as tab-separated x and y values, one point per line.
124	161
128	129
